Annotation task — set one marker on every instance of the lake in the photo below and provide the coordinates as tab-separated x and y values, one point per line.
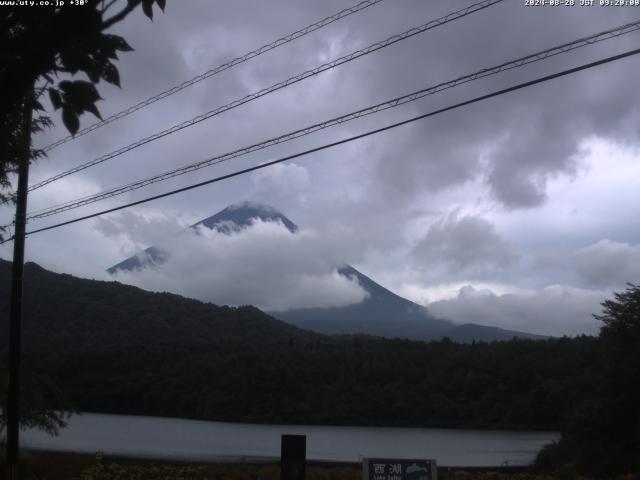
194	440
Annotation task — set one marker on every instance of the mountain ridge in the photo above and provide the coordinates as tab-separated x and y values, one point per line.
64	312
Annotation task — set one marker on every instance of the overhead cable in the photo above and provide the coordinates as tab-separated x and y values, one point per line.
278	86
411	97
214	71
346	140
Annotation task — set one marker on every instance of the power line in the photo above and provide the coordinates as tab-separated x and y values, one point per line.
278	86
535	57
346	140
214	71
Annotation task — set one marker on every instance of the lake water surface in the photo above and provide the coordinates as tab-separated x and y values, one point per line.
193	440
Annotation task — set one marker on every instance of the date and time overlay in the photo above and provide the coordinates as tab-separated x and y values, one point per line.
581	3
526	3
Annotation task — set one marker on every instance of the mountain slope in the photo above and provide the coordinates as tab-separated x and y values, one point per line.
65	312
470	332
382	313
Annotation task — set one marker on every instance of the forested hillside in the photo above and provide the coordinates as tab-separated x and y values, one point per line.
64	312
119	349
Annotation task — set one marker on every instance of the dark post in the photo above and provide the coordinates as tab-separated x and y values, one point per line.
293	455
15	319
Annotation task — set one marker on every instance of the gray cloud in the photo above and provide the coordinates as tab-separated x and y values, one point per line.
608	263
464	245
281	185
263	265
556	310
535	133
138	230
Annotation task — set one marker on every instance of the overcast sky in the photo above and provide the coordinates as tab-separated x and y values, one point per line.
520	211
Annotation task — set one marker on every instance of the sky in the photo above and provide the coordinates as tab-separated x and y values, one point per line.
519	211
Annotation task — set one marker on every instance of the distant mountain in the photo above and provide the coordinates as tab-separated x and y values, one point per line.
231	219
63	312
382	313
470	332
386	314
236	217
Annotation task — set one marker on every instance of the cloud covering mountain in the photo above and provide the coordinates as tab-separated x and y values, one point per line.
265	263
216	260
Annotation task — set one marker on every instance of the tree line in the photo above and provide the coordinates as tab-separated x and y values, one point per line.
508	385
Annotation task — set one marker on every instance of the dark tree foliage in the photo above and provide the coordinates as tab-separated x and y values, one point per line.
38	395
119	349
513	385
602	434
63	312
37	45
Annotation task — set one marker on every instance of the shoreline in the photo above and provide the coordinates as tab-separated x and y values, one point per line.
160	439
237	460
455	428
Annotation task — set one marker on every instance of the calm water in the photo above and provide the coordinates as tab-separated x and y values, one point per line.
172	438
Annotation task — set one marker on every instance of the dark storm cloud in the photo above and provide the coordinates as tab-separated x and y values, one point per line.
516	143
528	137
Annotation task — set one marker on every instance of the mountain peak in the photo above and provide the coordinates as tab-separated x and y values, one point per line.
251	205
232	219
240	215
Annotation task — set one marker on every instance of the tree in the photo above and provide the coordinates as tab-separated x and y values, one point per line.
38	395
602	436
620	395
38	45
621	322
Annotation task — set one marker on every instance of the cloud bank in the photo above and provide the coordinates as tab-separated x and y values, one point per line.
608	263
555	310
263	265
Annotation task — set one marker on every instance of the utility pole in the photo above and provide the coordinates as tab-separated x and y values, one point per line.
17	271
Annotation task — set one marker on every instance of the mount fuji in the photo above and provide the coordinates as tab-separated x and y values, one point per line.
381	313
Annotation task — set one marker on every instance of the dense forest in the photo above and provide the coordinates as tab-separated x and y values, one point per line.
518	384
586	387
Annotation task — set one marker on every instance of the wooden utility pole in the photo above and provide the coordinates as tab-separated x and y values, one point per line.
17	271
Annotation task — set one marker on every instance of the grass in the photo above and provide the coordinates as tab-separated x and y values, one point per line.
71	466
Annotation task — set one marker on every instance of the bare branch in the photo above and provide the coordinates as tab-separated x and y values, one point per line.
119	16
